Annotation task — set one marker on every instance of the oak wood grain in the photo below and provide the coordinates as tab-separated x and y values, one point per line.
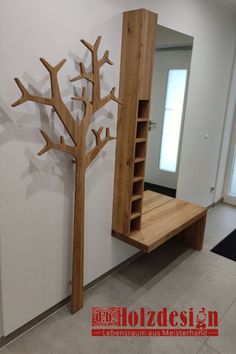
168	218
137	52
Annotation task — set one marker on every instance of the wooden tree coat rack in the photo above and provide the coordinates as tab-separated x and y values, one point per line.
77	131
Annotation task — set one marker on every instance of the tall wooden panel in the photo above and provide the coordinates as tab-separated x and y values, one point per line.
137	53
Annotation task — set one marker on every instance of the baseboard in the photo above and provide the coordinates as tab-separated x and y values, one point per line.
35	321
43	316
215	203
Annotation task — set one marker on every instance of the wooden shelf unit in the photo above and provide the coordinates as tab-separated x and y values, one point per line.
172	217
138	45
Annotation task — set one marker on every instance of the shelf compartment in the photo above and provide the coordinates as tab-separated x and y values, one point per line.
140	150
136	206
137	188
142	129
135	225
143	108
139	169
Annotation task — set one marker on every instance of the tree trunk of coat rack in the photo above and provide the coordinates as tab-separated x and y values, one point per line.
78	244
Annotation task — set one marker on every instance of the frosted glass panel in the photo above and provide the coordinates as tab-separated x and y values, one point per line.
176	84
232	189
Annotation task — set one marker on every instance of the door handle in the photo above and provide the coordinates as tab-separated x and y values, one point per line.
151	124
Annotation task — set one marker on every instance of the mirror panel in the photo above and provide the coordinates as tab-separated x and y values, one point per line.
173	51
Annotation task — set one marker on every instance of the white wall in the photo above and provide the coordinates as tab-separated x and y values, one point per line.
36	196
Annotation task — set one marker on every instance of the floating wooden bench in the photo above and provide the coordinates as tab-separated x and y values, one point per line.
165	217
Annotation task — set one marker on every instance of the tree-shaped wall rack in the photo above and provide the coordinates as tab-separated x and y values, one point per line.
77	131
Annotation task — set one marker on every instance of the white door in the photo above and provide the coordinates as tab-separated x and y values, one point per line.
170	78
230	181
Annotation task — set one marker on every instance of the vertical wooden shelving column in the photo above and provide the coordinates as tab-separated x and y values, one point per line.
139	164
138	45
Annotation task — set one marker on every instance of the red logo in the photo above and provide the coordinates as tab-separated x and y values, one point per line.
119	321
110	316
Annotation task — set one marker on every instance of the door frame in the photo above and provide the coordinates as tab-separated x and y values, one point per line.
227	198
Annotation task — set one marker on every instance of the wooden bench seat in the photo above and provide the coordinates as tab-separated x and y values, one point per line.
164	217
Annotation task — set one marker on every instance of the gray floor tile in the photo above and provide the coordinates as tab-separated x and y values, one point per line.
222	215
212	239
175	345
205	349
206	290
226	342
5	351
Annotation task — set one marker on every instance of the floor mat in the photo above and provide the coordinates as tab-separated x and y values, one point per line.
227	247
160	189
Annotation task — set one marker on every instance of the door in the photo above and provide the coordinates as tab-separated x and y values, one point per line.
230	181
171	71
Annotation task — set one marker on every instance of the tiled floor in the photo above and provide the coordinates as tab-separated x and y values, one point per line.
172	276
